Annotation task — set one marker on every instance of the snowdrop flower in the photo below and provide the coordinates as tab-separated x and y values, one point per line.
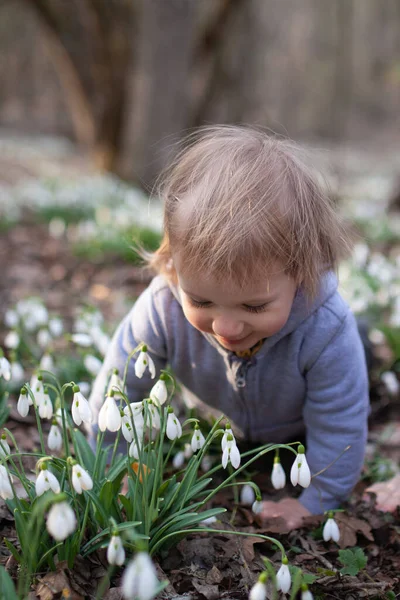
231	453
81	411
134	449
206	463
174	428
55	326
46	481
331	529
6	491
305	593
143	361
4	446
43	338
45	406
5	368
116	384
179	460
92	364
11	318
115	551
283	579
159	392
278	476
139	581
54	440
81	479
259	589
228	431
209	521
247	495
109	415
61	521
391	382
257	507
300	471
17	372
154	417
82	339
46	362
23	403
11	340
198	439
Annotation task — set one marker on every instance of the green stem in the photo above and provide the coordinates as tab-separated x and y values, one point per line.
218	532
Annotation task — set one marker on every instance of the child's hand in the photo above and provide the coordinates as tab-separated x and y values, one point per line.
288	509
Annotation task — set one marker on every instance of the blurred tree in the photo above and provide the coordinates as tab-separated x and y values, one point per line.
112	54
89	44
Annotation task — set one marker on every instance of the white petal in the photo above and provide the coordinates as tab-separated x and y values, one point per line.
140	365
115	551
304	472
76	414
54	441
102	418
294	471
41	484
5	449
61	521
283	579
152	367
179	460
247	495
113	415
258	591
225	457
159	392
278	476
23	405
235	456
307	595
257	507
53	482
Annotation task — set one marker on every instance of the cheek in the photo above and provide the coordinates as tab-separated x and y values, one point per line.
197	317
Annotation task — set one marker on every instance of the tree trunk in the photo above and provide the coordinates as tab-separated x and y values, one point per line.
159	87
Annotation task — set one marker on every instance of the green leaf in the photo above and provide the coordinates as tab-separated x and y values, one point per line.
7	585
88	457
353	560
13	550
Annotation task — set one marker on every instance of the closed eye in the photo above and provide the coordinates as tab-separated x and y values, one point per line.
256	309
198	303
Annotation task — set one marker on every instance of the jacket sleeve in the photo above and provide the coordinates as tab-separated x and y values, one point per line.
144	323
335	416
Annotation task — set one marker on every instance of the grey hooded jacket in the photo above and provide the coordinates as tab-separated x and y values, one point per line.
310	378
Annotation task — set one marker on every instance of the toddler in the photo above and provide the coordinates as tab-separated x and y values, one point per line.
245	307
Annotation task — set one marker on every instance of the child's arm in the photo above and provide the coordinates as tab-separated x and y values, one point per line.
335	416
144	323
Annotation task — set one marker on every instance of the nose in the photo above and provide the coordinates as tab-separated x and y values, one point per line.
227	328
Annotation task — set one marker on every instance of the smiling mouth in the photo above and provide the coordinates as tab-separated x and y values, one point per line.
232	342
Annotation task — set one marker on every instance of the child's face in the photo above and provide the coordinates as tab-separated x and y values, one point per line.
238	318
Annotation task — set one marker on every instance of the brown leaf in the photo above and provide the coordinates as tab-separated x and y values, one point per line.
248	547
211	592
349	527
387	494
54	583
214	576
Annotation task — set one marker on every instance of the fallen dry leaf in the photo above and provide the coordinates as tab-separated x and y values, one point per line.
349	528
387	494
55	583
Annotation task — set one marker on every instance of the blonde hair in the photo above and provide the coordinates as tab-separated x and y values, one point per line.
237	201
